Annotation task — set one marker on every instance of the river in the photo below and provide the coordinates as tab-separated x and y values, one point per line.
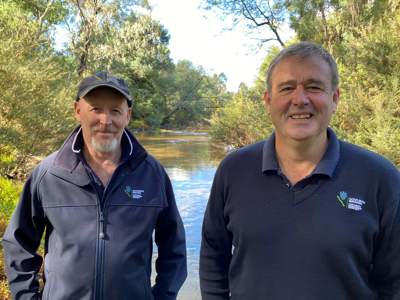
190	160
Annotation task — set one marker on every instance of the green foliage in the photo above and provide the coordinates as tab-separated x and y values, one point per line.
38	82
9	194
194	96
363	37
368	112
34	86
241	121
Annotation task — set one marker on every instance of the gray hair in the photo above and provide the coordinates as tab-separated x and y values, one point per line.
304	50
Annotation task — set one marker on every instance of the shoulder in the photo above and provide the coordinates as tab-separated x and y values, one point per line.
354	156
154	169
44	165
243	158
153	163
363	167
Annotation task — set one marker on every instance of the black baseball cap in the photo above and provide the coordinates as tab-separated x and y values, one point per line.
100	79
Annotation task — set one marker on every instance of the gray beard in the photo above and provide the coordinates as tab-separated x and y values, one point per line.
110	146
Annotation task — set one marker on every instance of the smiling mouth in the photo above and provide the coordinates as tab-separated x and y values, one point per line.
301	116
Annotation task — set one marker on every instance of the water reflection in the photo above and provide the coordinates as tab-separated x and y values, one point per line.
187	152
190	161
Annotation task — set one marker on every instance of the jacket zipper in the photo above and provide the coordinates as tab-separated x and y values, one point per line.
100	254
101	240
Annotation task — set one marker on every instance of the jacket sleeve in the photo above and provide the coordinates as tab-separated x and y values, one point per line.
169	236
386	262
216	245
21	242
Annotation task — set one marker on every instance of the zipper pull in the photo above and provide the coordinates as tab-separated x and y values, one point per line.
101	234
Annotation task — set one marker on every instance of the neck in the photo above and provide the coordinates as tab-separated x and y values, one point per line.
297	159
95	157
102	163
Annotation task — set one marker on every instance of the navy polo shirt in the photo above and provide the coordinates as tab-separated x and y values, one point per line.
335	235
325	167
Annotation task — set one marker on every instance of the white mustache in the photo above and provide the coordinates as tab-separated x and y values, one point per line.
103	130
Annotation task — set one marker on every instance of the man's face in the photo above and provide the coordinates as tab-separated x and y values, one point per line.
302	99
103	115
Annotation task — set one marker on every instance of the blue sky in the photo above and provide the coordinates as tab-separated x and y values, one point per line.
197	35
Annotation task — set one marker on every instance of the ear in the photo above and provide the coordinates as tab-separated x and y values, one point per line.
77	110
128	116
335	99
267	100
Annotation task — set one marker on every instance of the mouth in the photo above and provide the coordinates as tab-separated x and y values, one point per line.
301	116
105	133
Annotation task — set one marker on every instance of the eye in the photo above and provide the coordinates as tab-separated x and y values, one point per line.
314	88
286	89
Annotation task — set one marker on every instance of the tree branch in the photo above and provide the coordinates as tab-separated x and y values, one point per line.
41	17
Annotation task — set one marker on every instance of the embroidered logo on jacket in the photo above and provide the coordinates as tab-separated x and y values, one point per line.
134	194
349	202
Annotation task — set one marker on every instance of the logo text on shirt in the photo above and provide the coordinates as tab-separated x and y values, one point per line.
350	202
134	194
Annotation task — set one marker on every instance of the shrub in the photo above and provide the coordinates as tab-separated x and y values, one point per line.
9	193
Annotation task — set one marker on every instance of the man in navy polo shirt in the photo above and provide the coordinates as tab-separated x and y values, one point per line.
302	215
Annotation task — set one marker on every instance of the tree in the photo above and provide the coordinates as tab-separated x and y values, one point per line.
256	14
33	83
192	97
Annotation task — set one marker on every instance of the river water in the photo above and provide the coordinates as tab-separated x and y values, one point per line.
190	161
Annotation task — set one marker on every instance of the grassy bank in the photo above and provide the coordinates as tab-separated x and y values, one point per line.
9	193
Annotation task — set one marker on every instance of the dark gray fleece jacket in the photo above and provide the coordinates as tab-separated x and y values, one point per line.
96	248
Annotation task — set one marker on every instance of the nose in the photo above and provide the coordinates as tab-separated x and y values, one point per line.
105	118
300	97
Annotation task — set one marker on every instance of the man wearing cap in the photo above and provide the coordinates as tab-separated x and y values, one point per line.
302	215
97	201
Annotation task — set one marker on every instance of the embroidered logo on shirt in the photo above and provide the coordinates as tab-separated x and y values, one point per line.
134	194
349	202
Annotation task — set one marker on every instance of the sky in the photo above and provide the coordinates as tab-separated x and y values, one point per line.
199	36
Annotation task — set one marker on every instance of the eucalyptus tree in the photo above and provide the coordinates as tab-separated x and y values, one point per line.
31	102
257	15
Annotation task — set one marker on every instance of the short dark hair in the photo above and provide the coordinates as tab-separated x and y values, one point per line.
304	50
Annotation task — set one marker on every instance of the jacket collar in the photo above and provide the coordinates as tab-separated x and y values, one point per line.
67	164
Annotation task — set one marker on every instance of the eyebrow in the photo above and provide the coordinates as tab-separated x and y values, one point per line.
315	81
288	82
308	81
